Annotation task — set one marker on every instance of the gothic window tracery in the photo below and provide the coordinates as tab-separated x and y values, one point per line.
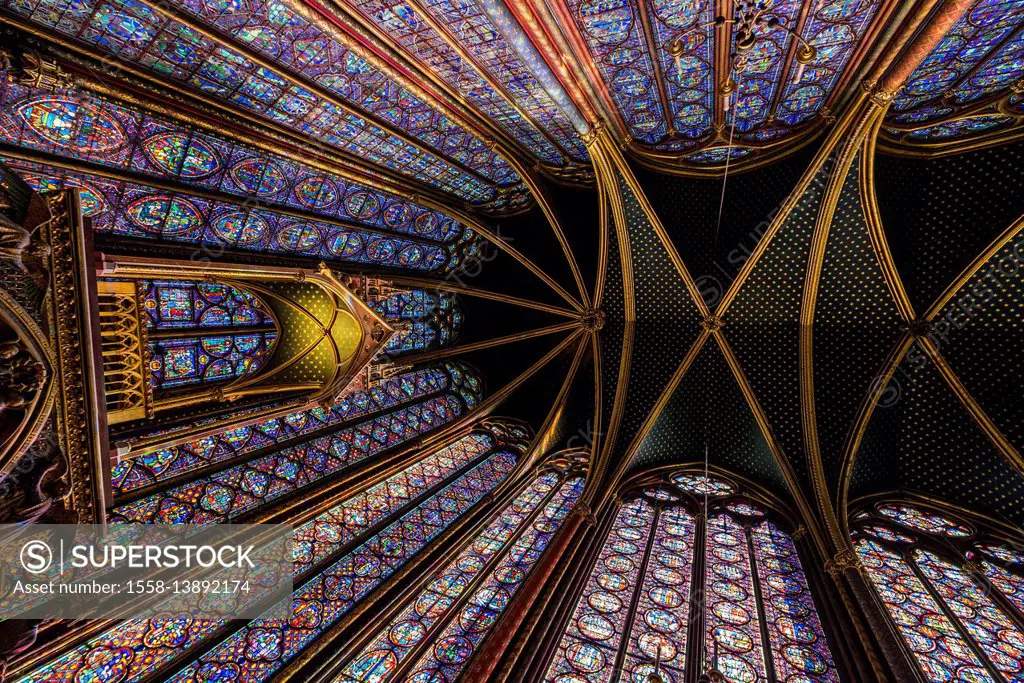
423	319
261	202
218	490
647	605
437	630
342	555
952	590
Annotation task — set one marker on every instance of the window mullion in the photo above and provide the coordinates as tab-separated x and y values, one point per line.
412	657
964	633
976	572
766	641
620	656
698	599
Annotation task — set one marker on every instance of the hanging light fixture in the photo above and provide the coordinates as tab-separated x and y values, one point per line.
753	22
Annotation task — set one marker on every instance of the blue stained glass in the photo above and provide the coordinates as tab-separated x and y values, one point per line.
759	79
348	580
835	29
687	79
800	651
194	360
614	34
130	28
979	57
940	650
82	126
470	28
394	642
961	127
139	211
130	646
990	627
137	472
222	496
422	319
465	632
718	155
171	305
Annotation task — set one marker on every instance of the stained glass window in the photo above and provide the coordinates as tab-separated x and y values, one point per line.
273	191
516	101
441	626
657	60
416	504
962	620
201	332
335	89
642	594
223	495
167	463
422	319
976	62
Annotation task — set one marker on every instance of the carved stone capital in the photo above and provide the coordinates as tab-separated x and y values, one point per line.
843	561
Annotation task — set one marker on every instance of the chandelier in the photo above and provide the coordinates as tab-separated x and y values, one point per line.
753	21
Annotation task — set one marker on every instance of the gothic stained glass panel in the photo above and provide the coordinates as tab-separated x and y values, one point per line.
700	485
423	319
138	32
968	43
131	210
519	103
172	305
245	487
928	522
447	658
197	360
938	647
799	650
759	80
614	34
333	592
167	463
733	636
990	628
1009	584
835	29
979	57
686	79
663	606
91	128
588	647
135	647
389	648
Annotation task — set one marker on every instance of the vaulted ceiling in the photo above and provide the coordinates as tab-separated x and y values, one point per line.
824	300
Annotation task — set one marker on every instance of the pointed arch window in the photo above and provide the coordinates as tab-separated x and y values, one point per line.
422	319
342	555
219	490
435	632
673	593
151	468
953	591
203	332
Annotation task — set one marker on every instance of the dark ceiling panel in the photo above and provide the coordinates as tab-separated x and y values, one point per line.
688	207
921	439
856	325
667	319
981	336
940	213
763	324
709	409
